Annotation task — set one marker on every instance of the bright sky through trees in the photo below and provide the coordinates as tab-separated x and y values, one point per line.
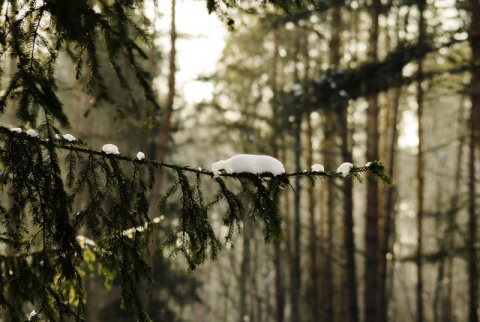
200	43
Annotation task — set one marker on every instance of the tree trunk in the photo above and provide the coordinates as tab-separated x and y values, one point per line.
165	130
296	276
277	254
420	169
475	69
349	280
474	148
372	249
472	225
312	232
245	273
328	197
386	253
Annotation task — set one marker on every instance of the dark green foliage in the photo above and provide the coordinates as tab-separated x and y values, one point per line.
369	78
263	197
35	33
194	236
43	236
42	230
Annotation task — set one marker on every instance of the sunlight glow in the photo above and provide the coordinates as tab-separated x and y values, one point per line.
408	130
199	44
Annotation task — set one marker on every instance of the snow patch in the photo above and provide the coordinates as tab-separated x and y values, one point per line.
32	314
368	164
110	149
69	137
16	130
140	155
250	163
32	133
318	167
345	168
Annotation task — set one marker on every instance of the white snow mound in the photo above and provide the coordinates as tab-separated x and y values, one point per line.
345	168
110	149
140	155
318	167
249	163
16	130
69	137
32	133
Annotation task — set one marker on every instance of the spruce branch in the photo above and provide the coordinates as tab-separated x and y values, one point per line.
117	215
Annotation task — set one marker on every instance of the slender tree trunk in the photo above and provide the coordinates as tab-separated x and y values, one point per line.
328	196
350	281
388	212
245	273
296	255
372	249
277	254
287	205
312	231
165	130
472	225
420	169
474	148
475	69
296	282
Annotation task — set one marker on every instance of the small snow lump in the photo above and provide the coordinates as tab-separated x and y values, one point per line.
345	168
318	167
110	149
32	133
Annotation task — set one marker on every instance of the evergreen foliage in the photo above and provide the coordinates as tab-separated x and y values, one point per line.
42	230
34	33
46	244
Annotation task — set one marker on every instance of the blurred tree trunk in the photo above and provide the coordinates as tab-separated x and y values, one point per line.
420	167
475	69
328	198
386	254
349	281
245	305
277	254
472	225
349	278
328	195
443	299
312	230
296	258
474	149
372	245
164	129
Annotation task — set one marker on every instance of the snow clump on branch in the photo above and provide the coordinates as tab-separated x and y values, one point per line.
110	149
345	168
16	130
140	155
67	137
318	167
249	163
32	133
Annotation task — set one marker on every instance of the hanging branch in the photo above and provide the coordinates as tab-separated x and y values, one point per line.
43	229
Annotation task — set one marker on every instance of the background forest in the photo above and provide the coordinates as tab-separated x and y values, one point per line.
328	82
